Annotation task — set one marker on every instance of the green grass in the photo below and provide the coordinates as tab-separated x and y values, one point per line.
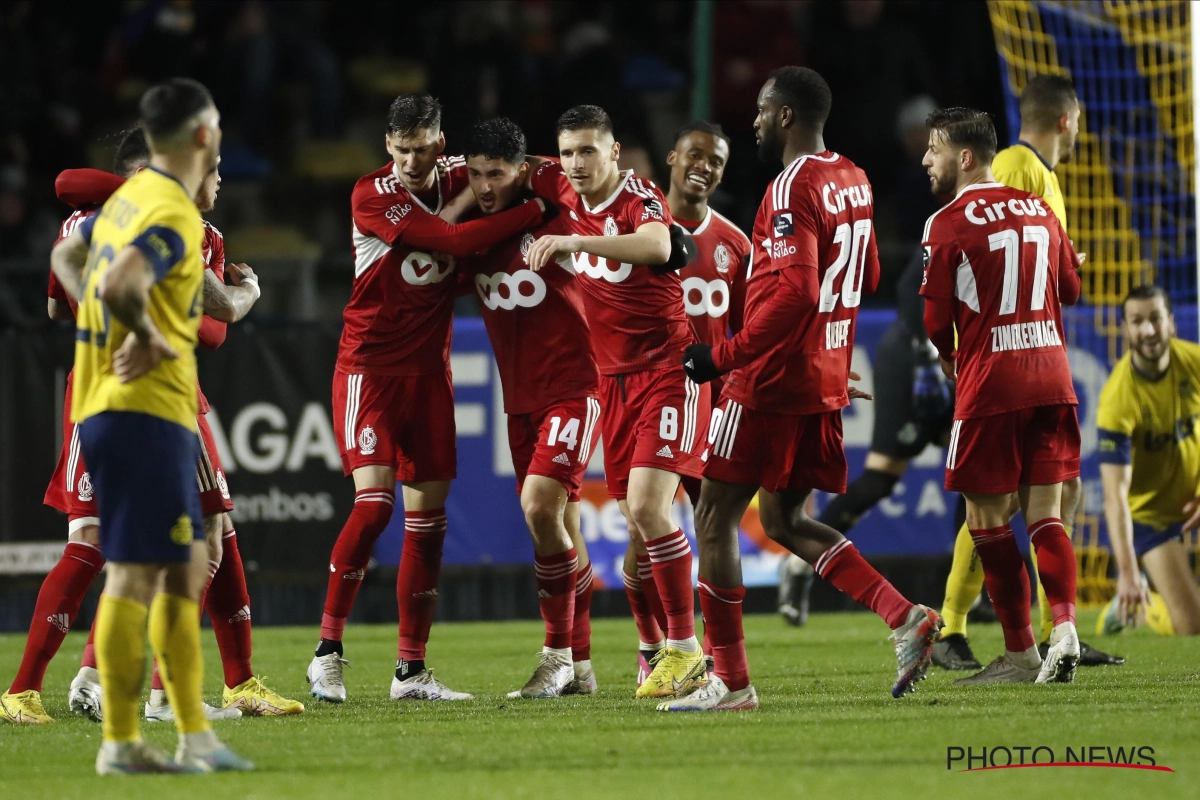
828	726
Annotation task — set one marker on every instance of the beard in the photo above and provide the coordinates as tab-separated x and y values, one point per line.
942	184
769	147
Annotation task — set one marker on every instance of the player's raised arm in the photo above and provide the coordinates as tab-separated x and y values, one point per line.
649	244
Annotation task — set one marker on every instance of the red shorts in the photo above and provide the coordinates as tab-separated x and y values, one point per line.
997	454
70	490
776	451
652	419
405	422
555	442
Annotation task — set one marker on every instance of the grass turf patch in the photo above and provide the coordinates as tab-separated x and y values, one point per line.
827	725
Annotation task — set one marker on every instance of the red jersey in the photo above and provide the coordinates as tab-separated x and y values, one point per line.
714	284
636	315
536	323
997	267
212	332
398	320
814	257
55	289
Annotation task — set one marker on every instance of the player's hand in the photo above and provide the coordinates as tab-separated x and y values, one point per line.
698	363
242	275
949	368
1133	597
856	393
547	249
1082	258
452	212
136	357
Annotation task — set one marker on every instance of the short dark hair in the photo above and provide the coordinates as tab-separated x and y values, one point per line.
166	107
701	126
1045	99
1147	291
805	92
966	127
582	118
132	152
410	113
499	137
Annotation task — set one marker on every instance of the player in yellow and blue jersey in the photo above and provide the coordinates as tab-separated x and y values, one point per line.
137	271
1049	127
1150	464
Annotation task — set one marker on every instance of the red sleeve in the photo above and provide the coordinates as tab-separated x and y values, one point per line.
646	205
796	234
871	267
939	324
942	255
549	182
1070	285
394	218
212	333
216	258
86	187
795	296
737	295
55	290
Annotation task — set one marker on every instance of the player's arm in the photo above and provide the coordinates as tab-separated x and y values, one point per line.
1070	284
225	304
1116	477
941	254
649	244
462	202
737	297
57	307
68	259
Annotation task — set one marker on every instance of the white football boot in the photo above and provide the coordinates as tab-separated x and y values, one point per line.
1063	656
325	678
554	673
86	697
158	709
423	686
1005	669
714	695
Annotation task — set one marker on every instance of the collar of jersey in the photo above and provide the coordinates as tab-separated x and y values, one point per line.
990	185
628	174
1033	150
413	195
703	226
167	175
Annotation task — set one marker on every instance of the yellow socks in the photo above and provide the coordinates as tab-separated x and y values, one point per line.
121	660
963	585
175	637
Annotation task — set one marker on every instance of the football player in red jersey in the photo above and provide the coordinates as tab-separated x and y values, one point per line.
998	268
392	393
543	351
780	426
653	417
71	492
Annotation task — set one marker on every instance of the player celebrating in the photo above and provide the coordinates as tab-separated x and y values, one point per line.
136	405
1150	463
780	425
392	389
1049	127
652	415
998	267
540	337
713	296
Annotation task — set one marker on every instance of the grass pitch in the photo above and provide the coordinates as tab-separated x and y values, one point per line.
828	726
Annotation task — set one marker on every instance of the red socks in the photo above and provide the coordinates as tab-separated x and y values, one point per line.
671	558
57	605
650	589
228	606
1056	567
1007	584
722	610
649	631
417	580
89	650
581	628
351	552
556	595
844	567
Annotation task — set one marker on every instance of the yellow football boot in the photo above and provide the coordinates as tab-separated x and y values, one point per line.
256	700
23	708
675	673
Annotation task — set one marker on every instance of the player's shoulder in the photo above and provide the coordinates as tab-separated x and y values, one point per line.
1117	394
449	163
726	229
382	183
1187	352
1019	157
817	178
643	194
212	234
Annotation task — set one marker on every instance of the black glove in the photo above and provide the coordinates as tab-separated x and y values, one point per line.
683	251
698	363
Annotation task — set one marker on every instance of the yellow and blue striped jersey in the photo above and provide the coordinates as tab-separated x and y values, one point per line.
1152	424
152	212
1022	167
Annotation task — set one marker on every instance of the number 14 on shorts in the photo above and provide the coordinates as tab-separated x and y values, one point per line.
568	434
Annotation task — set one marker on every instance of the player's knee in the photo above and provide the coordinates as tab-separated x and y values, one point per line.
213	531
540	516
650	517
713	527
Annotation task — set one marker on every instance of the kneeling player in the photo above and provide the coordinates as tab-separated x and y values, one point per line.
1150	464
548	373
998	265
781	424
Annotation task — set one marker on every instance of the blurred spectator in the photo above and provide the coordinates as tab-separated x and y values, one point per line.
914	201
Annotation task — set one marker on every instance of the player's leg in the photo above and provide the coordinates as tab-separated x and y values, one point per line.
642	594
796	575
58	603
556	564
1042	507
963	585
718	514
1171	574
581	626
879	478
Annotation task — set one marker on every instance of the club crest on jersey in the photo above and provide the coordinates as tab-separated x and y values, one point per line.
526	243
85	487
721	257
782	224
367	441
610	226
222	484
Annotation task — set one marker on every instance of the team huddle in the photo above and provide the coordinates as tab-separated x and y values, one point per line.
617	313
